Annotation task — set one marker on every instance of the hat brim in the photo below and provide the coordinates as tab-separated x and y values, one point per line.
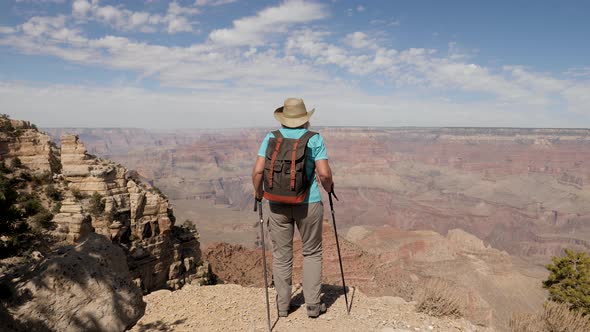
292	122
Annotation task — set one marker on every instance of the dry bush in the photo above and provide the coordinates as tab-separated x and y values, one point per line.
438	297
559	318
555	317
522	322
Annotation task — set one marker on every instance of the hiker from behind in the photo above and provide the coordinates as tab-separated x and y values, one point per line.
287	164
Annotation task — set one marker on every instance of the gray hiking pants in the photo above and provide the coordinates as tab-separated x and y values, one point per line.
308	218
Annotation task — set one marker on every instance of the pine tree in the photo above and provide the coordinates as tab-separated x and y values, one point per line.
569	280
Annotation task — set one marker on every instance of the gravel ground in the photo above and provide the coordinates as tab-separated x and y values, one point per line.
237	308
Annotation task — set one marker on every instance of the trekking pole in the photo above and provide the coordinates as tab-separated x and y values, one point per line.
338	245
258	205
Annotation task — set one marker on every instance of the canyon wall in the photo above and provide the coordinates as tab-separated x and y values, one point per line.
488	194
100	196
521	190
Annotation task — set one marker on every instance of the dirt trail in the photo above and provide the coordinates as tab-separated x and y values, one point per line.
237	308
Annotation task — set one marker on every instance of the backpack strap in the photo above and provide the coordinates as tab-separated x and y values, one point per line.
293	156
304	138
277	134
279	138
307	135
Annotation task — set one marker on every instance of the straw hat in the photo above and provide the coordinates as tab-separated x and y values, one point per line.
293	113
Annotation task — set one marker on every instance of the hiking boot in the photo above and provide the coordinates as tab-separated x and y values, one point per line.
283	313
314	310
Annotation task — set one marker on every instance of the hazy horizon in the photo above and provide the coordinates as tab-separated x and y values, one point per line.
321	127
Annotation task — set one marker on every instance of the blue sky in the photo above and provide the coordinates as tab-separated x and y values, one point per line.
230	63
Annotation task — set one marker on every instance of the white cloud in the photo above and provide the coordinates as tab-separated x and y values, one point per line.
337	105
81	7
42	1
360	40
384	22
255	30
175	20
578	100
311	44
175	9
360	8
213	2
578	72
7	30
536	81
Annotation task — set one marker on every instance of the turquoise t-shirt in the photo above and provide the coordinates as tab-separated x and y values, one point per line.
316	150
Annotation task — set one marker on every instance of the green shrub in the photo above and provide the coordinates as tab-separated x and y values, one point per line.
78	194
158	191
43	219
97	205
12	227
569	280
44	178
26	176
56	207
189	225
3	168
16	163
5	125
53	193
31	205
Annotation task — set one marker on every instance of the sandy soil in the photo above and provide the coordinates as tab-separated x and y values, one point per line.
237	308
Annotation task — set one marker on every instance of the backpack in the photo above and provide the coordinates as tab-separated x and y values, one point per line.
285	178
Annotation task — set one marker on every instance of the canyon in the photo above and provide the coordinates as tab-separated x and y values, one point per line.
484	208
520	190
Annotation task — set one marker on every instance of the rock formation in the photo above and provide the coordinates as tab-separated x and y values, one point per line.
20	139
86	287
133	214
100	196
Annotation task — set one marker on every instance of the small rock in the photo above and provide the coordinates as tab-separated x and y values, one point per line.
37	256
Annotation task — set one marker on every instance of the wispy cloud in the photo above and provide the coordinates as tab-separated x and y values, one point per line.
214	2
385	22
42	1
255	30
4	29
175	20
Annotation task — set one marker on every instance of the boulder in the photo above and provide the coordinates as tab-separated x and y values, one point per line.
86	287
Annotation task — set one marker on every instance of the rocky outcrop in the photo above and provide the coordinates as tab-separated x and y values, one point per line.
86	287
169	261
141	212
19	139
132	213
99	196
72	223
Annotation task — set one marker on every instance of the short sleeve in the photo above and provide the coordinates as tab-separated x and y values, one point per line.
318	148
264	145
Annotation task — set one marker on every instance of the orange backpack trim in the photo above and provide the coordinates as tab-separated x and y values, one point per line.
274	158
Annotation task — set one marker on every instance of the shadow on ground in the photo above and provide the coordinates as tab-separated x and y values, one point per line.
64	290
